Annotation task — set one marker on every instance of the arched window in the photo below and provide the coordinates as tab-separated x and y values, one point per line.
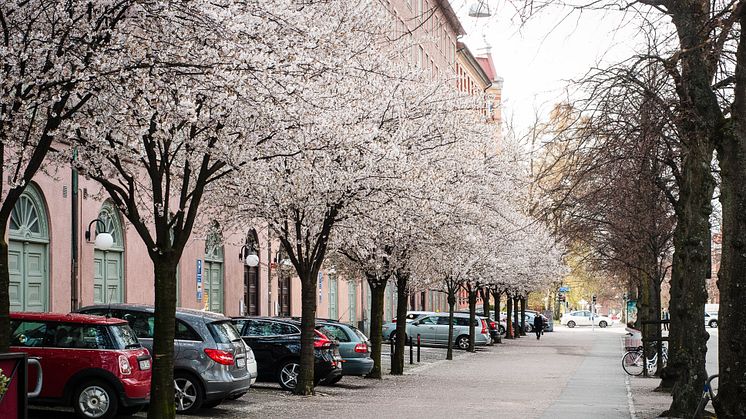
213	269
251	275
28	252
108	265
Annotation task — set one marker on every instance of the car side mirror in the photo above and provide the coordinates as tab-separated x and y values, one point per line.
415	323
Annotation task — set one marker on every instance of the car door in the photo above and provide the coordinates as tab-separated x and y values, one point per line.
426	327
255	334
34	338
586	318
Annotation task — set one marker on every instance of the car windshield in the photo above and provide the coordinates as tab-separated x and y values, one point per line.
224	332
124	336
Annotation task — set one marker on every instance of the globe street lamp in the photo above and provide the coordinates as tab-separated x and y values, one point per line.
104	240
250	260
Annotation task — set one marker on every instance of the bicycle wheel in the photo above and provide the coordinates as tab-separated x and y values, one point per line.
633	363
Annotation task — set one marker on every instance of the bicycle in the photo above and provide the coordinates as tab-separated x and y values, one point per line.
633	361
707	395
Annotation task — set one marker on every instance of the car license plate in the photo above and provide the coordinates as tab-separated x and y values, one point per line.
241	362
144	364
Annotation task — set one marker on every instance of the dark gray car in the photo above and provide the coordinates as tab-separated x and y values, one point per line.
210	358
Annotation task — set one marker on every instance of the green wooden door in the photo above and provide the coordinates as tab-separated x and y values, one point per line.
28	276
333	297
28	253
108	278
213	286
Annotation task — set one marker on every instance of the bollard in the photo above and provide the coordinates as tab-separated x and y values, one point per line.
411	352
393	348
418	348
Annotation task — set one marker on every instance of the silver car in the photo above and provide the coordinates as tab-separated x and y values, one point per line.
211	361
432	329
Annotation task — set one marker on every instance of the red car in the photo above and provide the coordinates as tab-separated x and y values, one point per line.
92	363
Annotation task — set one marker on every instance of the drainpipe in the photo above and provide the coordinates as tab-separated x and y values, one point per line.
74	224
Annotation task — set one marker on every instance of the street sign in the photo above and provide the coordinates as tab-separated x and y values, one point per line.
564	289
199	279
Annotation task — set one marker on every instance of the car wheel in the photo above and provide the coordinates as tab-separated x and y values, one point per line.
95	400
529	328
287	375
462	342
602	324
501	330
571	324
236	396
187	393
713	323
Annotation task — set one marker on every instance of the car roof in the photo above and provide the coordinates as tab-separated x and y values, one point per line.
181	313
67	318
287	320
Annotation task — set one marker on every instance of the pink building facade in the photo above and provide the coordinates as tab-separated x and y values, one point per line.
55	268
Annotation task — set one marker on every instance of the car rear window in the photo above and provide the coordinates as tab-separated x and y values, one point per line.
334	332
224	332
124	336
360	334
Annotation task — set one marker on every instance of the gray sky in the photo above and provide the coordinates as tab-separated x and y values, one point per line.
537	59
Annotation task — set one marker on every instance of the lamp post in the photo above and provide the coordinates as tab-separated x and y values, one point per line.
104	240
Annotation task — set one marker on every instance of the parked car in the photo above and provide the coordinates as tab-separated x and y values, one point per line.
711	318
276	344
411	315
495	329
583	318
433	330
354	348
211	363
94	364
531	315
388	328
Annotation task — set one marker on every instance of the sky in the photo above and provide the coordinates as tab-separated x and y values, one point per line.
537	59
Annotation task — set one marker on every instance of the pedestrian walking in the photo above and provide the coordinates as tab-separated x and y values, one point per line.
538	326
665	317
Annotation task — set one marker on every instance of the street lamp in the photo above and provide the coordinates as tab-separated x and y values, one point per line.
250	260
104	240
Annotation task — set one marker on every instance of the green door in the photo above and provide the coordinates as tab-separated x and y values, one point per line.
108	265
352	299
213	286
28	276
333	296
28	253
108	278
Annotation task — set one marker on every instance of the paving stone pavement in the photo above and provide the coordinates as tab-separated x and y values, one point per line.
570	373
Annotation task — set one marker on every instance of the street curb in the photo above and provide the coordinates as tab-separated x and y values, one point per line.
630	399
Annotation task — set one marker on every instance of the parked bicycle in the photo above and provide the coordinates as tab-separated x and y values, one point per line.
634	362
708	395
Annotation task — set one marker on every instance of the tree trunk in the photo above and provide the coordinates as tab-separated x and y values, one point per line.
472	317
517	333
485	294
509	333
496	296
522	300
685	373
732	276
402	295
4	289
377	293
162	382
451	309
308	292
